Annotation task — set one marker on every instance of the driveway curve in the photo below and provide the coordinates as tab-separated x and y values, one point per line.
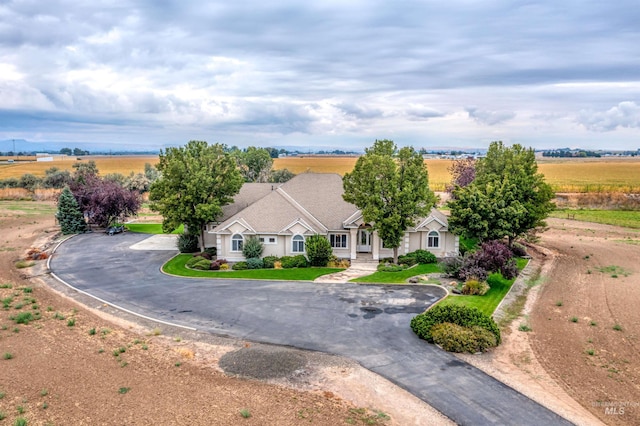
368	323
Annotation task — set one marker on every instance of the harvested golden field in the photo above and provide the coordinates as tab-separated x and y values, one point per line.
439	175
123	164
602	175
564	175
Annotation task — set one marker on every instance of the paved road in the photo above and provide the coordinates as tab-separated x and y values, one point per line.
368	323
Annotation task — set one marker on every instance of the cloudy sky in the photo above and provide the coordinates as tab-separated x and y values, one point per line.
329	73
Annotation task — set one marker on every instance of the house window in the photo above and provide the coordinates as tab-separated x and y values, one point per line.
268	240
298	244
237	242
338	240
433	239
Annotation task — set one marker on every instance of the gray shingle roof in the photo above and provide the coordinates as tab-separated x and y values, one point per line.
314	198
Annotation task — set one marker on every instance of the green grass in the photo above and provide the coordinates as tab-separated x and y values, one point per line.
628	219
398	277
150	228
490	301
176	266
28	207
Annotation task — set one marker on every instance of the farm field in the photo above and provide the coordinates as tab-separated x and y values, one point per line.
564	175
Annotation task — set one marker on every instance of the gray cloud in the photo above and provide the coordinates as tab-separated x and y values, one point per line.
326	70
625	114
490	118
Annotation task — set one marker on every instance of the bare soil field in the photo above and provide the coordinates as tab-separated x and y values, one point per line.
129	372
586	322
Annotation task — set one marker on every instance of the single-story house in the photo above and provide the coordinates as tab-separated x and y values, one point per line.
282	216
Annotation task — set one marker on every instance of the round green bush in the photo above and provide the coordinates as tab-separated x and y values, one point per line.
460	315
187	243
268	262
455	338
254	263
239	266
423	257
407	260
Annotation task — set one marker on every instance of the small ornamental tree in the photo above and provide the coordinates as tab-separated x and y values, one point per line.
69	215
463	172
252	248
318	250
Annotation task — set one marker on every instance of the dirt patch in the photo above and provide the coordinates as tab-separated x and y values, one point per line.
77	362
580	356
586	323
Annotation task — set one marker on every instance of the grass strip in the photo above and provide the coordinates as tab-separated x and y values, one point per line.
176	266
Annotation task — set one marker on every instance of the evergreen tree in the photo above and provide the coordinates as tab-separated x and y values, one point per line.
69	215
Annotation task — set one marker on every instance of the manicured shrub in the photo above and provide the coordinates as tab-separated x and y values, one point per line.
423	256
187	243
475	287
213	251
471	271
215	266
390	267
496	256
298	261
252	247
319	250
407	260
461	315
224	267
204	255
301	261
193	261
202	264
455	338
269	261
238	266
254	263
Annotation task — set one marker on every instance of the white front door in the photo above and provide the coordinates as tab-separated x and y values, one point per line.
364	241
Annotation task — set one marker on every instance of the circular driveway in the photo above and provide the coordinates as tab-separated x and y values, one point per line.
368	323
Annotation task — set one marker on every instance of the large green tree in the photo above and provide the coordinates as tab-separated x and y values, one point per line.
196	181
391	187
507	198
69	215
255	164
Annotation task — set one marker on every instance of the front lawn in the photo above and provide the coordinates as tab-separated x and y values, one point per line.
487	303
176	266
490	301
398	277
150	228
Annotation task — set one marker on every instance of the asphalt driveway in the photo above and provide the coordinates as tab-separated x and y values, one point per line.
368	323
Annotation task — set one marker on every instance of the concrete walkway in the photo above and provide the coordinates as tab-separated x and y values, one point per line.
162	242
356	270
